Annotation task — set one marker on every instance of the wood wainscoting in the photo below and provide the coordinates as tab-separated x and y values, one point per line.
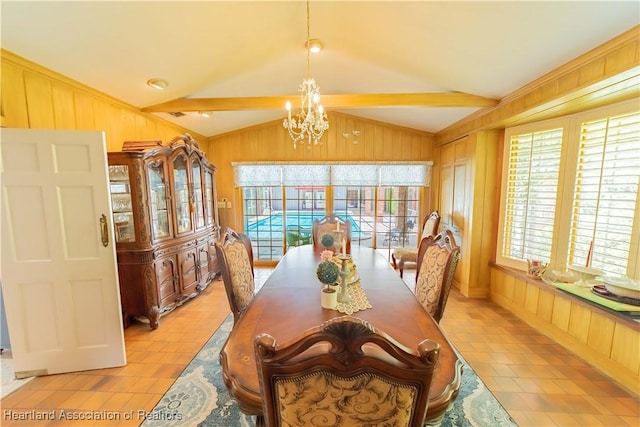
608	341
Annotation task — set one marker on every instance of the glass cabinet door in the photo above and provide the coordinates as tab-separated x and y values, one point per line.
158	199
197	193
120	189
181	193
208	195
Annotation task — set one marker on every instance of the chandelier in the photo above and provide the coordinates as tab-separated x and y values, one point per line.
310	123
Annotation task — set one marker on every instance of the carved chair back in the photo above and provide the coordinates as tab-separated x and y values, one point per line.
430	225
345	372
329	225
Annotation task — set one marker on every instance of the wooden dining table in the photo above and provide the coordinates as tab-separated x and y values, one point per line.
289	303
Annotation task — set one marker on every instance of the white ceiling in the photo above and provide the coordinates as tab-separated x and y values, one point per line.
256	48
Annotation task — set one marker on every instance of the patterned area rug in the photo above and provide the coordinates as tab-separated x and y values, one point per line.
200	398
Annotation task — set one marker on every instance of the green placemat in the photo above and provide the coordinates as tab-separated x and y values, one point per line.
584	292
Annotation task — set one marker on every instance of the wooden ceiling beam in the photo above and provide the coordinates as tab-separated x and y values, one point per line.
447	99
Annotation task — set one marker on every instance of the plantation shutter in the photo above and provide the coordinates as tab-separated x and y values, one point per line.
531	189
606	192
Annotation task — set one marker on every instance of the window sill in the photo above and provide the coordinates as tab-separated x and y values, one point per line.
617	316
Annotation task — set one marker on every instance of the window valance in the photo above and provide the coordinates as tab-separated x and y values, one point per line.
340	173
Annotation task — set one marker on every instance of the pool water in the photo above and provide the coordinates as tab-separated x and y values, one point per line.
303	220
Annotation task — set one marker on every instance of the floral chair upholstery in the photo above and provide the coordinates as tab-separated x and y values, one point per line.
344	373
235	256
329	225
437	262
403	255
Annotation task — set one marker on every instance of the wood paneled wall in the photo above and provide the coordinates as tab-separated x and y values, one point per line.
38	98
607	74
271	142
609	342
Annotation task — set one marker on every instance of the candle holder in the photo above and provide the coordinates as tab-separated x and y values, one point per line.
343	294
341	241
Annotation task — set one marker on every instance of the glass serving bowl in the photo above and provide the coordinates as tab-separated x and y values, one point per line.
586	274
552	276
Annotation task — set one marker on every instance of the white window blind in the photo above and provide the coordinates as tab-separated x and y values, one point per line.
416	175
344	174
606	192
248	175
305	175
531	191
373	174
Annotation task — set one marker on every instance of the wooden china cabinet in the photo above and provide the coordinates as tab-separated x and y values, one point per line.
163	200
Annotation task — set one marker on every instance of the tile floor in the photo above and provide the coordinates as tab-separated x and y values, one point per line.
537	381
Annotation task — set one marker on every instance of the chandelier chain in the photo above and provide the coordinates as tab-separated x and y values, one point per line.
308	126
308	39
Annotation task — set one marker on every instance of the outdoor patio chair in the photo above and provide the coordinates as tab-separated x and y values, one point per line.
297	237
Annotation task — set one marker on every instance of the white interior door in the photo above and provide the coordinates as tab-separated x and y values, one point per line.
59	274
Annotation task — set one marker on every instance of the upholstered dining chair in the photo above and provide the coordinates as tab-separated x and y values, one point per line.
235	256
344	372
437	262
404	255
329	225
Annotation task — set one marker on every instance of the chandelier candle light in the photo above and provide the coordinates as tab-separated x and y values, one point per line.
310	123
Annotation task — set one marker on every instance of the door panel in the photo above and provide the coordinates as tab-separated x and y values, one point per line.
203	264
189	279
77	215
167	277
59	280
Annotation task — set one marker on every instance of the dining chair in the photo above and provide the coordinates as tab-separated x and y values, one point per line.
403	255
437	261
344	372
235	256
329	225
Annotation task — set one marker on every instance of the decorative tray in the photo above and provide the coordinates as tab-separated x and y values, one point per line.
602	291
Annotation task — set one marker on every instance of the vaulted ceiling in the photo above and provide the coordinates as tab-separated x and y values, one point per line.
435	61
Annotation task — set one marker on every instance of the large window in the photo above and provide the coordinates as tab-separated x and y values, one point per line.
531	192
570	192
358	205
606	193
263	221
380	200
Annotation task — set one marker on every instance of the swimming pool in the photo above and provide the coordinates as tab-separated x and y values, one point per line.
269	230
303	220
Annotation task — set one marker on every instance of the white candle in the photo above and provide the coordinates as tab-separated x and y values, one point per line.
344	246
338	225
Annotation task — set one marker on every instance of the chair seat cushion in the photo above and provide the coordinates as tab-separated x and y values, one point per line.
406	254
322	398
